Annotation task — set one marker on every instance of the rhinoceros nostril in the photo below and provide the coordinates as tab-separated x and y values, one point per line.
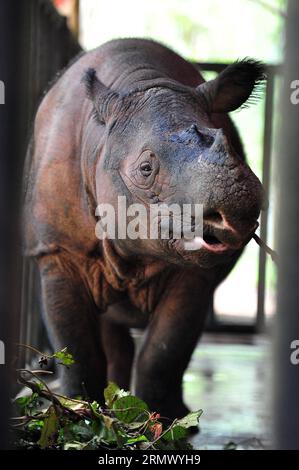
213	217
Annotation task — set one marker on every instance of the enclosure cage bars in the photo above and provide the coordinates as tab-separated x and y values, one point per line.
45	34
286	367
12	144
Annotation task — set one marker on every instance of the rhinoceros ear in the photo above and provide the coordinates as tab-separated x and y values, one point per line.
238	84
102	97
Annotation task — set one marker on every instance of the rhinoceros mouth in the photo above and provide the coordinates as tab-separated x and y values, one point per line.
210	243
214	245
213	241
199	244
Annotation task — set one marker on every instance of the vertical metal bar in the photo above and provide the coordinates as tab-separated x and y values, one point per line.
28	83
74	22
266	173
47	36
10	166
286	372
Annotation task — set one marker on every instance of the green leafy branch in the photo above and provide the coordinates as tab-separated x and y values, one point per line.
65	358
53	421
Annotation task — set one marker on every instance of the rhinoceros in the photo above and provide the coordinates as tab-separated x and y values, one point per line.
132	118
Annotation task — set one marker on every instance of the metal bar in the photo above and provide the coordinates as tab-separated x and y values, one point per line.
10	137
46	36
286	372
234	328
266	173
74	21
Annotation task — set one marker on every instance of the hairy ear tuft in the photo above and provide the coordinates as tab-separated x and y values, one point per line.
102	97
238	85
89	79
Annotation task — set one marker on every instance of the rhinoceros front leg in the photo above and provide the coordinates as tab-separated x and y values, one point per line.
72	322
119	350
172	336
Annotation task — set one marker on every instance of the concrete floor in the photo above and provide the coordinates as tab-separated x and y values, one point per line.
228	378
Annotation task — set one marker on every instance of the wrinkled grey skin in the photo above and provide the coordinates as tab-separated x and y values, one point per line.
133	118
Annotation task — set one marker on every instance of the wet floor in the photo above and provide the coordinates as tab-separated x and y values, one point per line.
229	378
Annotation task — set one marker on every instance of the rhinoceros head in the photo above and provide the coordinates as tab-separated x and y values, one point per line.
163	144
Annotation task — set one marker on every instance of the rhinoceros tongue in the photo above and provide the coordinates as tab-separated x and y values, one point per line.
265	247
197	243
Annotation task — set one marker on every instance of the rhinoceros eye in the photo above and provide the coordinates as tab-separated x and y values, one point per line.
146	168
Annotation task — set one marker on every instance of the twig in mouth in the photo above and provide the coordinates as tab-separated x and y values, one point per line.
267	249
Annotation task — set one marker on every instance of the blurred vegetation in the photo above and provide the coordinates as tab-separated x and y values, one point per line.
205	30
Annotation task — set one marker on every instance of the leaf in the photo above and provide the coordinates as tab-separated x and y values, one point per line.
35	425
178	444
179	430
96	409
134	425
22	402
230	446
127	409
74	445
27	404
108	421
175	433
71	404
134	440
80	432
103	433
191	419
121	439
93	444
49	429
110	393
123	393
65	357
